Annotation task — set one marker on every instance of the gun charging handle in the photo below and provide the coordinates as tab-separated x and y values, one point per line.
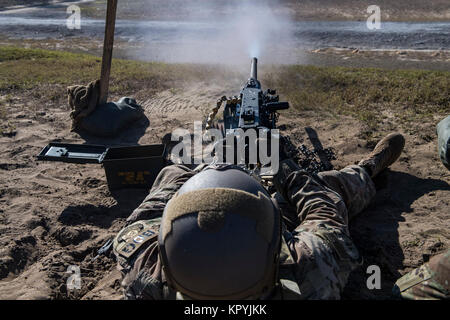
275	106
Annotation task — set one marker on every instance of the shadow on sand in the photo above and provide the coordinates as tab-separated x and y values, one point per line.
101	216
375	231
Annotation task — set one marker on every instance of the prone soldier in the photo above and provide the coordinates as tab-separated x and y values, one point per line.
215	233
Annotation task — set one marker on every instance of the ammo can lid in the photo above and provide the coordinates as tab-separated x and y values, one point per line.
73	153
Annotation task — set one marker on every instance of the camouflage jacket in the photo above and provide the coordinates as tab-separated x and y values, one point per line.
428	282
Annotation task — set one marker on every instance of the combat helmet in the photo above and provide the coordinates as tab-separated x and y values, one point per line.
220	237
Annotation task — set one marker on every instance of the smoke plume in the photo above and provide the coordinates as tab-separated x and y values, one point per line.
232	33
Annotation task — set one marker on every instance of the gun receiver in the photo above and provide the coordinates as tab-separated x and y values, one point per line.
254	108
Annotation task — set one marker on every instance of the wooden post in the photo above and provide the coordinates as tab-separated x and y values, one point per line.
107	49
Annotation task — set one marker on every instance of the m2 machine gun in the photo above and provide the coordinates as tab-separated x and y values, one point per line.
254	108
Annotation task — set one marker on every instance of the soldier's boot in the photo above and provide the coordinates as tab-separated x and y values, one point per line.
386	152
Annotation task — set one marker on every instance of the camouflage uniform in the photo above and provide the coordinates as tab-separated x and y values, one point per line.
429	281
317	252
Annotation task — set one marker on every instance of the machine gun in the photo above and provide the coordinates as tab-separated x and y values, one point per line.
254	108
258	109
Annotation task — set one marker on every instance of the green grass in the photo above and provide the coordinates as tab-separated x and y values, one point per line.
25	69
346	88
411	96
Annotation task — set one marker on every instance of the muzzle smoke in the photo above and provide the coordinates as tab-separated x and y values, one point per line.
231	34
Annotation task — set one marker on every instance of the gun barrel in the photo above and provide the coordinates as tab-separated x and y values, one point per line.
254	69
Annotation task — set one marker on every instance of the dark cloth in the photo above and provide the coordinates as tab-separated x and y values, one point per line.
109	119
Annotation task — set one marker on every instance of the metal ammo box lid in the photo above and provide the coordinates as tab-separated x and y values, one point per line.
73	153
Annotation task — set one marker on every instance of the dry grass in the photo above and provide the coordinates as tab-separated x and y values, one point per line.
411	96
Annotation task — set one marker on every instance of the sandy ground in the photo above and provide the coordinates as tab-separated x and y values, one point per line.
57	215
54	215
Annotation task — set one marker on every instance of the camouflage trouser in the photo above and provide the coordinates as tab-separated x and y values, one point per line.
352	184
316	210
429	281
350	190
